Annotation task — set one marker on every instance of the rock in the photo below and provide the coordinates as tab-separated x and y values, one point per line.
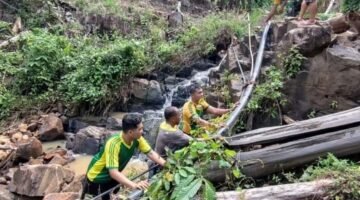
75	185
89	139
147	91
202	66
310	40
62	196
40	180
353	19
184	72
70	140
114	123
214	99
180	96
235	87
3	155
331	77
338	24
172	80
244	45
175	19
31	148
5	194
23	128
75	124
57	159
51	129
278	30
10	174
3	181
16	137
151	121
37	161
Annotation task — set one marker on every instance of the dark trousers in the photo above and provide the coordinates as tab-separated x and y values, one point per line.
96	189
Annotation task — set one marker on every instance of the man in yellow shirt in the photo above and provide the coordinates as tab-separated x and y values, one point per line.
277	8
104	171
194	110
170	135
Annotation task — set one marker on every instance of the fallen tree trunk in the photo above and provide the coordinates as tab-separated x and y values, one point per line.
307	190
301	129
277	158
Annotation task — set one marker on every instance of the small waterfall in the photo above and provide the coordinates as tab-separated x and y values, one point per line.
201	77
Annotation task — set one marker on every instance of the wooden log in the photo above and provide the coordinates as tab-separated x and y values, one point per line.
296	191
277	158
301	129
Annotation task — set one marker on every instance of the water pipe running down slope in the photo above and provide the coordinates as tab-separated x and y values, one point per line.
234	116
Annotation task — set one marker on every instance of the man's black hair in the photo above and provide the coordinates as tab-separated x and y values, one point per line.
131	121
170	112
193	87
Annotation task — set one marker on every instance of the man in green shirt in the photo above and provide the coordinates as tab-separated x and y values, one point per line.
104	171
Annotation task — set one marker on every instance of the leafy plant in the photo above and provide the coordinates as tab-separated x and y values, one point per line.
345	173
183	176
268	95
350	5
293	62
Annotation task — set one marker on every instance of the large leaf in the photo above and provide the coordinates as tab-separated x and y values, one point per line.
208	191
154	188
189	191
183	183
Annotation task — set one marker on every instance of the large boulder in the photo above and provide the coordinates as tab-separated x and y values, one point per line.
88	140
31	148
309	39
152	121
51	129
40	180
62	196
5	194
148	91
329	83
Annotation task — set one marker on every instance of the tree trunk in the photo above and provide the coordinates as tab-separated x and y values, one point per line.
297	191
297	130
276	158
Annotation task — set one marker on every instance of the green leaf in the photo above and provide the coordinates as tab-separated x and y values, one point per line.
209	191
236	172
182	184
190	169
190	190
224	164
167	185
230	153
177	178
183	173
154	188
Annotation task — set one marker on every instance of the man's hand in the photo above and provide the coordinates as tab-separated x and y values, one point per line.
142	185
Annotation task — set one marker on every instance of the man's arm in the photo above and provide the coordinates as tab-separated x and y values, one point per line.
122	179
156	158
217	111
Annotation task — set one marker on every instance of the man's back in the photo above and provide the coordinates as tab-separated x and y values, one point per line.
170	137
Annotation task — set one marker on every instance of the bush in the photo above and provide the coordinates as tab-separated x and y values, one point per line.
100	71
350	5
45	58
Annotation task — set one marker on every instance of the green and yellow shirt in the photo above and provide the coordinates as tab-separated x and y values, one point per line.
190	112
115	155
